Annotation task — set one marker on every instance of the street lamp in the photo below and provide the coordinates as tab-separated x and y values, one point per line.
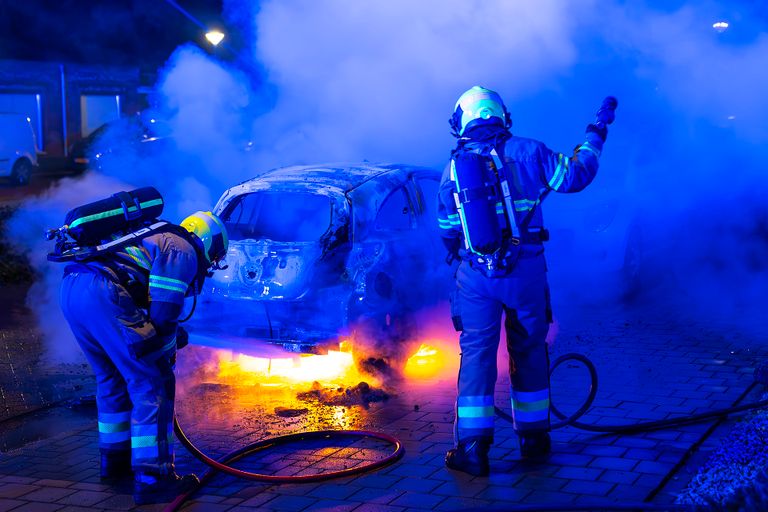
214	37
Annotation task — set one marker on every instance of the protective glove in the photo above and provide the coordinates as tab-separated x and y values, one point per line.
593	130
605	115
182	338
607	111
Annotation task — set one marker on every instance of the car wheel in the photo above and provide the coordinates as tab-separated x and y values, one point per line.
632	269
22	172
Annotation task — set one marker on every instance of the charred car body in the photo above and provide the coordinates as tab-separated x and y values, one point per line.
317	252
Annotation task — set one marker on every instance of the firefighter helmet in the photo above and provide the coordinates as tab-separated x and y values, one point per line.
209	229
479	106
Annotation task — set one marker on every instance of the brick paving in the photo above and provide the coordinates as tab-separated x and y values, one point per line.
650	366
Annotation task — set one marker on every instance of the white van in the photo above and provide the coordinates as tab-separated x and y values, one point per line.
18	148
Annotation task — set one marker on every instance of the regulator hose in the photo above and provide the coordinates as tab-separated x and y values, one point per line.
223	464
644	426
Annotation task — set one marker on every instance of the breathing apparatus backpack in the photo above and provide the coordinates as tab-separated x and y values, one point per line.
100	226
483	181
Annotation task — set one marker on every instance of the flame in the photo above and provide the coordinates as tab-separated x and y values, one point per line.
335	367
425	363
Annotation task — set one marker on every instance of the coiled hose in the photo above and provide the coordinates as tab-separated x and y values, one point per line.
223	464
643	426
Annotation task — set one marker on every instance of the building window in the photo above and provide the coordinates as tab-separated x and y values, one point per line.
97	109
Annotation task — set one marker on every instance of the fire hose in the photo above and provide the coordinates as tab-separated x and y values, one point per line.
223	464
234	456
627	428
622	429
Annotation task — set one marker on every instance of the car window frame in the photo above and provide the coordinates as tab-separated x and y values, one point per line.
404	187
421	199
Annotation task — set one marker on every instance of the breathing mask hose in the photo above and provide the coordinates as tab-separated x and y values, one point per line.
628	428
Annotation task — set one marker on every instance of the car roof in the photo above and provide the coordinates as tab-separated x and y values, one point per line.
343	176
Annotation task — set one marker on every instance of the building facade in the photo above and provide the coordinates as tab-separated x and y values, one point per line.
66	102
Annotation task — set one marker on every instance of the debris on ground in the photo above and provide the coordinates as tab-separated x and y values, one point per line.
286	412
377	367
360	394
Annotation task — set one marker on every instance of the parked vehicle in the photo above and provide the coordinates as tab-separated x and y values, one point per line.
18	148
116	140
319	252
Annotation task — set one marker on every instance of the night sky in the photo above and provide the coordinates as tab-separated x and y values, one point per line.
140	33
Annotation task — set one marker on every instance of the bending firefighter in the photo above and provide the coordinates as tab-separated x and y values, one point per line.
490	218
123	306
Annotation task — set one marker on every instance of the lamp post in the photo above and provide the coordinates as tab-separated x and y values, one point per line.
214	37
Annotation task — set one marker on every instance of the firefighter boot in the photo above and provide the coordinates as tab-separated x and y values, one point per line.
150	488
535	446
471	456
115	465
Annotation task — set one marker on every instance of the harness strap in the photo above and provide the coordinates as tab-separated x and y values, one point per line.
501	169
131	236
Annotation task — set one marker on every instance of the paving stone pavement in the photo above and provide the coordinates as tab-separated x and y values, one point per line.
651	366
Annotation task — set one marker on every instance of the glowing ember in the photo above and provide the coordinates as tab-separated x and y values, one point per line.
425	363
333	368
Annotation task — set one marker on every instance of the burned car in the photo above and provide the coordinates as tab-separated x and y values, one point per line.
318	253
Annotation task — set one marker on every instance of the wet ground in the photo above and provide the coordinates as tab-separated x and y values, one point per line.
652	364
655	360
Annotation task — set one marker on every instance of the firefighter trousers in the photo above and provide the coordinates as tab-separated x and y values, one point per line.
134	396
478	305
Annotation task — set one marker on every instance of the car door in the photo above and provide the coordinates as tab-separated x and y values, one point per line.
436	273
395	229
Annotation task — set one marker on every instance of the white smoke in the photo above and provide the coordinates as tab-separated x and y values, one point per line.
378	80
344	80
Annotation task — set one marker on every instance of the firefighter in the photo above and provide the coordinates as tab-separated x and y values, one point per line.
490	219
123	309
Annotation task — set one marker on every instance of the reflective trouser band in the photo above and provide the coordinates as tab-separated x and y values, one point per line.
474	415
530	409
146	444
114	429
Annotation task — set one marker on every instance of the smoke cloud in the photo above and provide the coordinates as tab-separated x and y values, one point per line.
345	81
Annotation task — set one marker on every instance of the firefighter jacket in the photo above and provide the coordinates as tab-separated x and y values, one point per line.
158	272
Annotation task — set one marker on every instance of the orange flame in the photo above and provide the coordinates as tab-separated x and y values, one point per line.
426	363
334	368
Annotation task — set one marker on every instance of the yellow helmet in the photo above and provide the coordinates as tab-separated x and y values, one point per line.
211	231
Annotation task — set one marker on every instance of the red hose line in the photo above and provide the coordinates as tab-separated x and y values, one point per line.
223	464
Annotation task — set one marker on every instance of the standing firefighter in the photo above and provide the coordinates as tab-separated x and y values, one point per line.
123	304
490	218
